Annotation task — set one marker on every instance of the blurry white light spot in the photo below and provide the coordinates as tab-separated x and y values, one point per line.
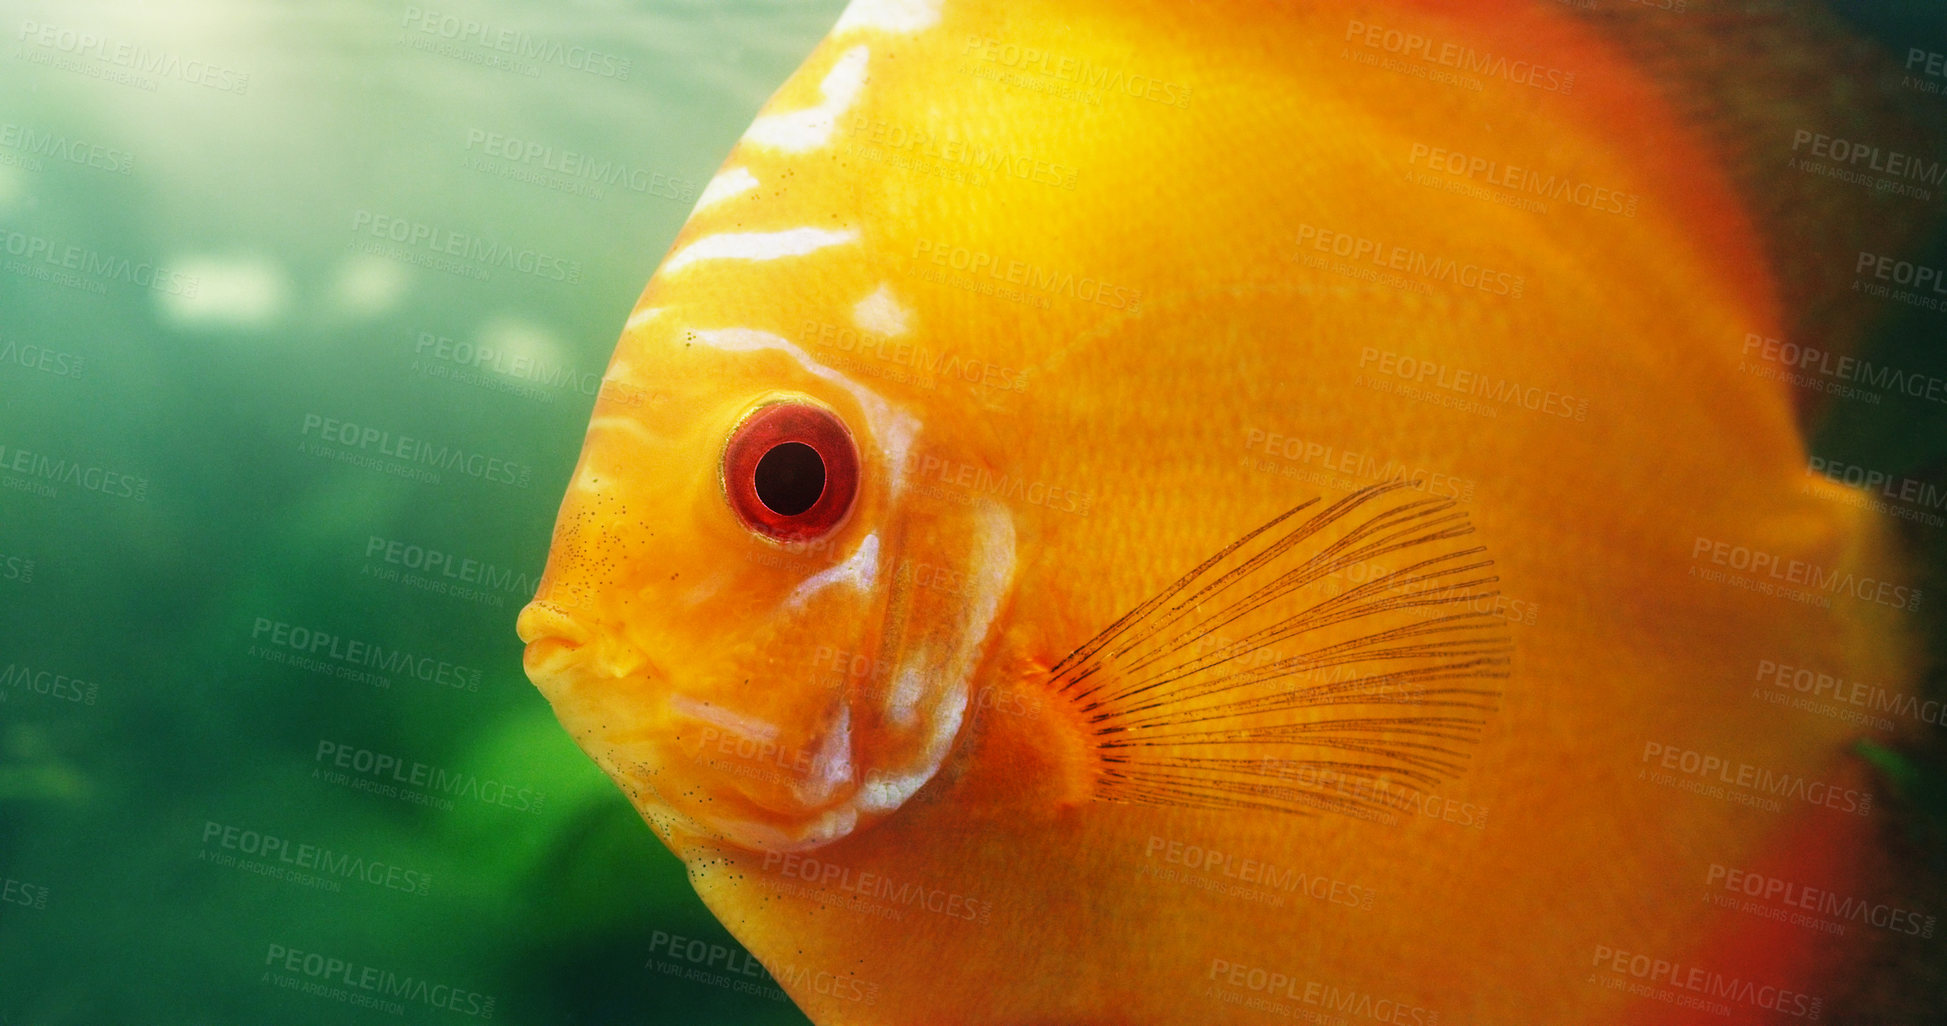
513	346
368	285
225	292
11	187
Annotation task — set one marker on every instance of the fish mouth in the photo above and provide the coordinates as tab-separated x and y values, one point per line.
550	632
561	643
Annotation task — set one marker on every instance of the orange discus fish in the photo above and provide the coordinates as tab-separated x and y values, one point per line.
1153	512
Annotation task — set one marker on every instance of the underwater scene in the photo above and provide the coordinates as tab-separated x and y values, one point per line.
965	511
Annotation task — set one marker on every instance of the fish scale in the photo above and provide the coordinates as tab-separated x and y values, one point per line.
1201	359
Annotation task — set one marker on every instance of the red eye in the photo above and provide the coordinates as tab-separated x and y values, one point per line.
791	471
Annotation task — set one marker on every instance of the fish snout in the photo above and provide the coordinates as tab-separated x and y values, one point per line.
554	636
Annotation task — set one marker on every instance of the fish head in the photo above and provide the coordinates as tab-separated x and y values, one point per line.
754	617
784	557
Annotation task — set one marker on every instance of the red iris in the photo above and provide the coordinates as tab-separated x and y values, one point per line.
791	471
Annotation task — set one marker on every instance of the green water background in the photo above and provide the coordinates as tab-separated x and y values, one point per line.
177	727
542	888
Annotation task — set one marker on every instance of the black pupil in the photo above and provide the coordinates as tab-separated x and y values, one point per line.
790	478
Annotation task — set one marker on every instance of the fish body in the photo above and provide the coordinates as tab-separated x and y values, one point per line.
1094	290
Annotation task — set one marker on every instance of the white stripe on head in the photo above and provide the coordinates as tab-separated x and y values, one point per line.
730	182
800	130
888	16
758	246
881	313
859	570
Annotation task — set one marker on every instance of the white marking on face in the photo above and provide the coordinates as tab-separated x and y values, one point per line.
742	726
588	481
889	15
902	699
800	130
859	570
758	245
882	314
990	569
831	767
884	792
642	317
732	182
828	827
